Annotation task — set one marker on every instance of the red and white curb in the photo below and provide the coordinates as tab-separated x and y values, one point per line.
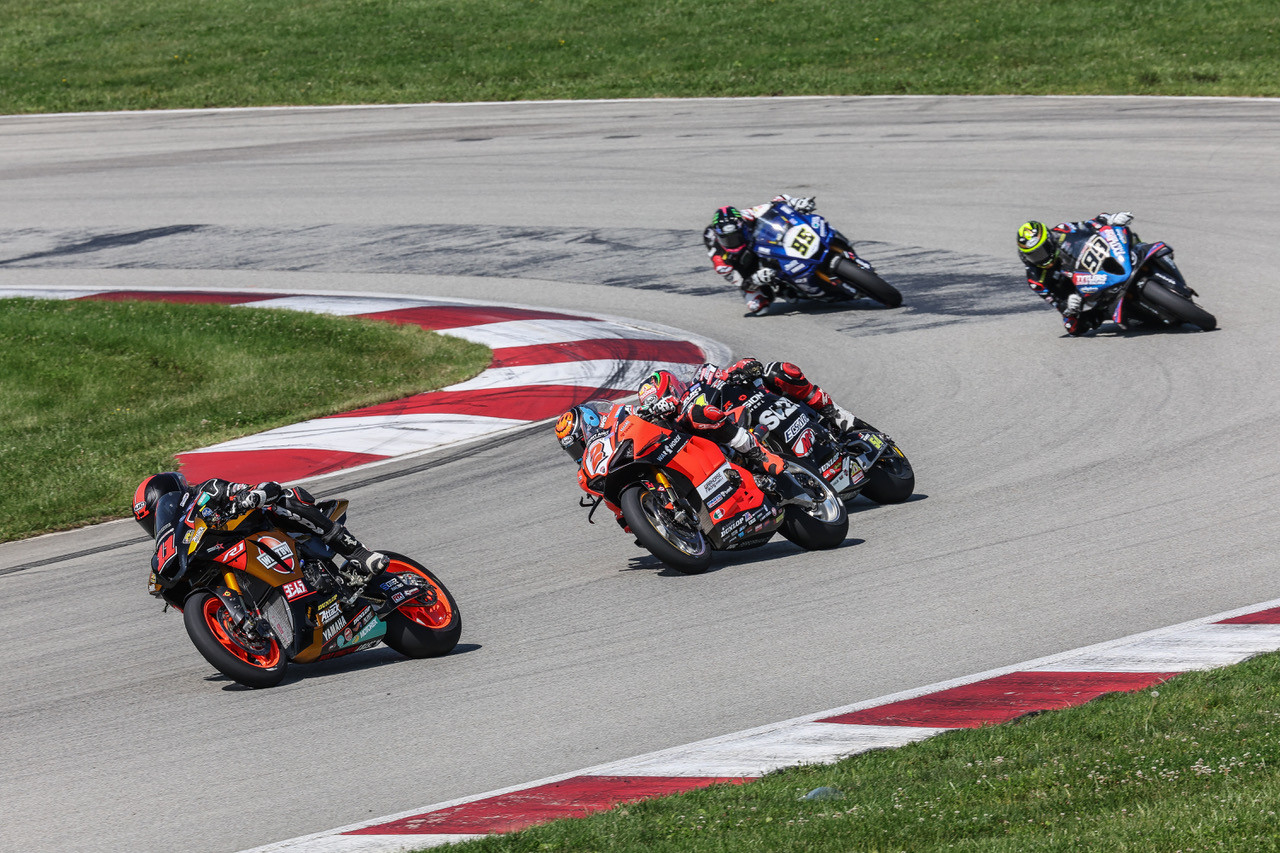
543	363
1059	681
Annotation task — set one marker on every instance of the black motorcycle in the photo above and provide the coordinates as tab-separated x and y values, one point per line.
861	461
255	598
1118	276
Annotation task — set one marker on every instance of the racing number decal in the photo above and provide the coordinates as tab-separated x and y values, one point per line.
166	552
597	456
1094	254
801	241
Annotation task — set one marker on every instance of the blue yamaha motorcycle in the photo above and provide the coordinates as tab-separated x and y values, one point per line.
815	260
1116	274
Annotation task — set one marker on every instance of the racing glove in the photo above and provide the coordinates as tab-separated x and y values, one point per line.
745	370
801	204
249	499
1124	217
663	408
761	278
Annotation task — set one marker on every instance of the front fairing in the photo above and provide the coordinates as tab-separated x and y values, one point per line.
1102	261
795	431
729	505
796	242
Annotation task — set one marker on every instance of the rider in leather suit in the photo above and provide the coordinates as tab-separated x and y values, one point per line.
728	242
787	380
294	509
1049	269
686	408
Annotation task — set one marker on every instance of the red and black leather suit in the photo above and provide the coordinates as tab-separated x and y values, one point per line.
785	379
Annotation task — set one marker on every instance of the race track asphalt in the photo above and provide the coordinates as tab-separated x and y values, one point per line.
1069	491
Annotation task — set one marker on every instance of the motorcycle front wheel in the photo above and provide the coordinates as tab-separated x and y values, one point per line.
251	661
684	550
891	480
825	525
1181	308
867	282
428	627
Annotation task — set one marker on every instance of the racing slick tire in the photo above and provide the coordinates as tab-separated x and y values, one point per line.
426	628
248	661
891	480
661	536
867	282
826	525
1179	307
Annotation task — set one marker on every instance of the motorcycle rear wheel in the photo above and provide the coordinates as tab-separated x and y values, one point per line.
823	527
251	662
658	533
1180	307
867	282
423	630
891	480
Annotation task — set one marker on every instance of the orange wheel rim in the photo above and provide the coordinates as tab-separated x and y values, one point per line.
218	619
436	615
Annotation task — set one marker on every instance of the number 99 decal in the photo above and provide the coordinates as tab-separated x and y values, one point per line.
801	241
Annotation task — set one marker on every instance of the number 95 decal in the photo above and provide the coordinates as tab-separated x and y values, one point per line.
801	241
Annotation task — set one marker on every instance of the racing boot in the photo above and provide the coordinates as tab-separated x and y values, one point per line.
361	563
757	301
763	461
841	419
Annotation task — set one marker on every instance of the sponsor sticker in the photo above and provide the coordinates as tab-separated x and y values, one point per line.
800	423
295	589
718	479
804	443
280	551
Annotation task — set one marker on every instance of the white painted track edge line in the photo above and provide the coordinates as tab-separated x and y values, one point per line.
570	102
1042	664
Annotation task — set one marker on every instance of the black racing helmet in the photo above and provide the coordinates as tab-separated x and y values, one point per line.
151	490
730	228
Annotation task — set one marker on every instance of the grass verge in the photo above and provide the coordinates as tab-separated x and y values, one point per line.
95	395
1191	765
69	55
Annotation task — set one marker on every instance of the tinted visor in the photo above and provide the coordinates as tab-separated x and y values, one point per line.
1042	255
574	446
731	237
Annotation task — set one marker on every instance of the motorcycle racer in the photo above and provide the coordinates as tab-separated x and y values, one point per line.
293	509
664	397
729	239
1049	268
787	380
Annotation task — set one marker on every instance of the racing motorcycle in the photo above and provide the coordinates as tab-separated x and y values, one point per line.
255	598
815	260
1117	275
862	461
683	498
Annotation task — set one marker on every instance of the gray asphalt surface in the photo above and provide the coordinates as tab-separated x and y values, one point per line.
1069	491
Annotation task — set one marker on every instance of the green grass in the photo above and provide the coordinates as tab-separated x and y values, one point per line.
65	55
1191	765
96	395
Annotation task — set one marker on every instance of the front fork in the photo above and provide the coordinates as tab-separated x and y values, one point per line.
671	500
244	617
